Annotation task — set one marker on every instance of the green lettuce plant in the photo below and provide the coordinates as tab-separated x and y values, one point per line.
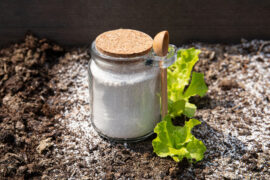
176	141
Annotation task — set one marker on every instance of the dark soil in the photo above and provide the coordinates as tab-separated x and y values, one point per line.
27	108
45	131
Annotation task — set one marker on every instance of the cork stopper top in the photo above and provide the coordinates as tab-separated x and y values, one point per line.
124	43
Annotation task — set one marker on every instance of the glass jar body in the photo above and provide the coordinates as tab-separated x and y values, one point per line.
124	98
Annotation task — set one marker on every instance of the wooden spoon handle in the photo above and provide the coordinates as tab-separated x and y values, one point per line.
160	46
164	94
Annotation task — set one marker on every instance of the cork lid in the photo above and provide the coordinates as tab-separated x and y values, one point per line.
124	43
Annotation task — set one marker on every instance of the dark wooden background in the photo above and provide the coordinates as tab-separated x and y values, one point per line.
78	22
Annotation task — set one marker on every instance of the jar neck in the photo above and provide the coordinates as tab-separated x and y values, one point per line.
121	67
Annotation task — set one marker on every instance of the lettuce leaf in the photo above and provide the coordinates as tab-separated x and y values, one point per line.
197	86
178	142
178	78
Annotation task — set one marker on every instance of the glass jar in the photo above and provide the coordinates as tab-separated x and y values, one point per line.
125	94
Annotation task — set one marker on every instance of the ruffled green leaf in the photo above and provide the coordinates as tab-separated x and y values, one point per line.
197	86
178	142
178	78
179	72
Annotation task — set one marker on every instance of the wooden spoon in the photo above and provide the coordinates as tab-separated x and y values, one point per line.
160	46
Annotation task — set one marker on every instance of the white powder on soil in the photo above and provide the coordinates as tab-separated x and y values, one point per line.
225	144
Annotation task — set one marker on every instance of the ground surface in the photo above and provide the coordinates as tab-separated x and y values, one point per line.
45	131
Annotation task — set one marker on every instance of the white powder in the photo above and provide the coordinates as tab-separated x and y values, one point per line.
221	135
125	101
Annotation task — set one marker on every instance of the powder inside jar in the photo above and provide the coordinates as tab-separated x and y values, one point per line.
125	105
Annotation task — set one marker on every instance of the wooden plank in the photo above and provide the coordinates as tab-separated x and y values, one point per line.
78	22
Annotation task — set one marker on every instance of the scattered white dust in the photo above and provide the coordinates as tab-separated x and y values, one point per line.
246	127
